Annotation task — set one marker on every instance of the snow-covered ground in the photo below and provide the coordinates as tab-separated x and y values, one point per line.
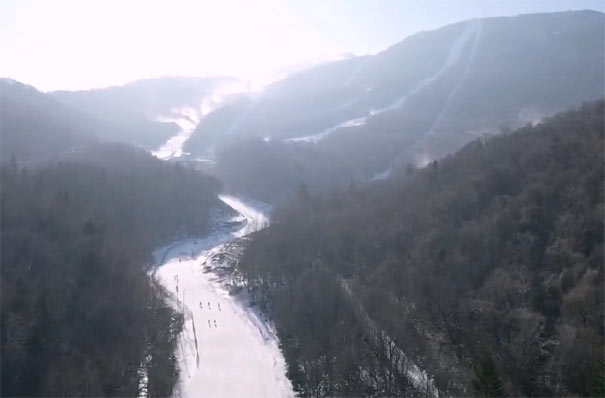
227	349
188	117
383	175
320	136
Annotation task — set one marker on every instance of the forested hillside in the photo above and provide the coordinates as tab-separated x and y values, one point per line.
421	99
80	314
484	268
35	126
144	109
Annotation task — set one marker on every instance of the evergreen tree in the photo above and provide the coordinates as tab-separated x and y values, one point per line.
487	382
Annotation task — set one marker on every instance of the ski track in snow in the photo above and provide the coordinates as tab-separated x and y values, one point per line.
453	57
477	28
473	29
320	136
226	349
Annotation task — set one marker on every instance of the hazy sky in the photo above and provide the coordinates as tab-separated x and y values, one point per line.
75	44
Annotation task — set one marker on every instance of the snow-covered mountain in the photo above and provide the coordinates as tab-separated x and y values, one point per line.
416	101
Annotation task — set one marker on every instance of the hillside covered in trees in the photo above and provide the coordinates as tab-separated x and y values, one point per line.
484	268
34	126
142	110
422	98
80	314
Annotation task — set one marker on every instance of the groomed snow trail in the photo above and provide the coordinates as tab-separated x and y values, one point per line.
320	136
473	28
188	117
472	31
226	348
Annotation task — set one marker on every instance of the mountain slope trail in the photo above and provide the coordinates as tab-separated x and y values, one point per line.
226	348
472	30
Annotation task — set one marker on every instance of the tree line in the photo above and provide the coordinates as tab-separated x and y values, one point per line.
485	269
81	315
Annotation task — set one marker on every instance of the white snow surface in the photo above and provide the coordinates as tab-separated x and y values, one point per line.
227	348
320	136
383	175
188	117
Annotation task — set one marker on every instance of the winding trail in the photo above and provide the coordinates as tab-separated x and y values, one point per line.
226	348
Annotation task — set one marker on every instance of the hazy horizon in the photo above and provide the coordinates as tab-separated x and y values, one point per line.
196	200
72	45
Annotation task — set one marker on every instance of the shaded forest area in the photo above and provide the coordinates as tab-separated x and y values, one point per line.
81	316
484	268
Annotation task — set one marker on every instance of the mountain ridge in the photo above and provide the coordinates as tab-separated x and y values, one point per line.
420	99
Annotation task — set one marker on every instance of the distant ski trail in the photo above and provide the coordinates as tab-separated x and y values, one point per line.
473	29
188	117
320	136
477	27
453	57
357	70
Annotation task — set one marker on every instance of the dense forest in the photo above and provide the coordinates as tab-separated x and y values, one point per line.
81	315
485	269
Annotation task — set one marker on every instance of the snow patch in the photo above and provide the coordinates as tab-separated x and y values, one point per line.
383	175
530	116
320	136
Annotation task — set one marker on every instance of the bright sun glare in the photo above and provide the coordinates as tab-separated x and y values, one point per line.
129	40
